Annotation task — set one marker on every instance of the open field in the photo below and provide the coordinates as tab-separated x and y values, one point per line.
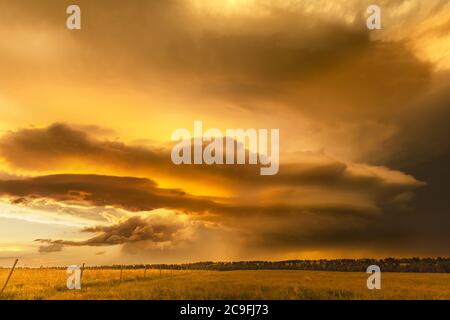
261	284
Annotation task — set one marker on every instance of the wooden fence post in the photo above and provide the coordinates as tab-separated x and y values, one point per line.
160	271
9	276
121	273
145	272
81	274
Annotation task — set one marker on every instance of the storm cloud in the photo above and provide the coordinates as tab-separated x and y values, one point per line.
86	116
152	229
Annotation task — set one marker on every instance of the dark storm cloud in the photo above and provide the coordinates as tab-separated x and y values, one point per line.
132	194
346	194
57	145
54	146
249	220
289	221
133	229
281	227
286	57
423	132
54	247
331	72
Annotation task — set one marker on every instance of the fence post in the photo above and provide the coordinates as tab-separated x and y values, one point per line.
145	272
9	276
121	273
82	271
160	271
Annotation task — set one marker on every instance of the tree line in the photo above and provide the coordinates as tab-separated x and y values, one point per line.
433	265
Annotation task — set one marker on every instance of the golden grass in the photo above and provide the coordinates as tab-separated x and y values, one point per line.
261	284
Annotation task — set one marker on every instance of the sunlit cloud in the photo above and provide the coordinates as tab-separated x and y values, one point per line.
85	120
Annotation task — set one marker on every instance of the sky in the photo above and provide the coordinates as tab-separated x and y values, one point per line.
86	118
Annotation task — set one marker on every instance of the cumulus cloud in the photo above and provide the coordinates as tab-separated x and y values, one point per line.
153	229
53	247
315	193
375	187
132	194
58	145
298	214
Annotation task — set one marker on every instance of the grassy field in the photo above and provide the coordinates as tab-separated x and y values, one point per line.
261	284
